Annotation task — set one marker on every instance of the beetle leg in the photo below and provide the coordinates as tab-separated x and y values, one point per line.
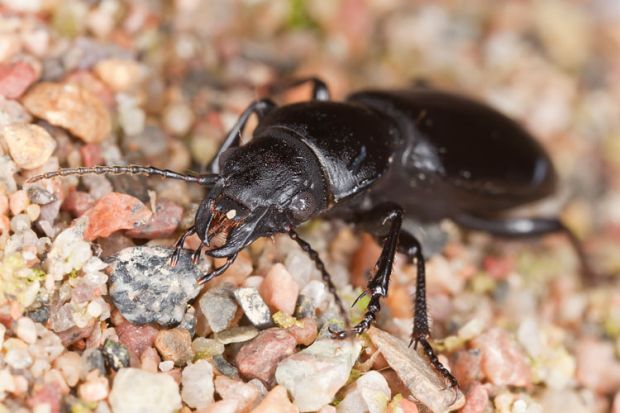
314	256
233	138
320	91
217	271
178	246
528	227
378	285
196	254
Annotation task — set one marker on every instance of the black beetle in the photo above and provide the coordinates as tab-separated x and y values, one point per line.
373	160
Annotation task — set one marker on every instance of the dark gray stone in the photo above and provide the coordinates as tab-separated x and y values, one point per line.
92	359
115	354
146	289
225	367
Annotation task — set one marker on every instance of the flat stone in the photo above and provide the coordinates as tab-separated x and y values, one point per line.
239	334
314	375
30	145
175	345
138	391
253	306
113	212
71	107
219	307
370	393
146	289
259	358
198	387
422	380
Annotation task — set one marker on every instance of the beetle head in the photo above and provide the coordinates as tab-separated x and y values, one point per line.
265	187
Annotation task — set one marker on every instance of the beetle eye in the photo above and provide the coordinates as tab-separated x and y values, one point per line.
302	206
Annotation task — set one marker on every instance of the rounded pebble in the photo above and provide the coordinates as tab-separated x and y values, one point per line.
30	145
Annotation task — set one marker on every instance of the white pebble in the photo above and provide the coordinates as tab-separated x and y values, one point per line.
26	330
166	366
197	381
159	393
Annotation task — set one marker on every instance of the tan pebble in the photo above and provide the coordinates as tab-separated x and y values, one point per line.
18	201
327	409
94	389
30	145
33	211
402	405
56	377
223	406
276	401
279	290
26	330
120	74
71	107
69	363
175	345
5	224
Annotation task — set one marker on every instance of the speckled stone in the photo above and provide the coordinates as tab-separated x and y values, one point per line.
253	306
146	289
115	354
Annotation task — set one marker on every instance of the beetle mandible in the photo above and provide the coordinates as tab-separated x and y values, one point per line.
373	160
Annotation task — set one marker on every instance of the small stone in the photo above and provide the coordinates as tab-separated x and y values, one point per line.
503	362
18	357
219	307
150	360
30	145
197	382
15	78
224	367
71	107
222	406
94	389
120	74
70	365
207	347
166	366
136	338
402	405
175	345
115	355
246	394
466	366
305	331
477	399
162	224
239	334
370	393
178	118
597	366
18	201
146	289
92	359
158	393
48	398
78	202
422	380
276	401
253	306
26	330
259	358
12	112
113	212
315	374
40	196
280	290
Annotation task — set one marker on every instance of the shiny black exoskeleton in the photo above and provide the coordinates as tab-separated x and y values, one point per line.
374	160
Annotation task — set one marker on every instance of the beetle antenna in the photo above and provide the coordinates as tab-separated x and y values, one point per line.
208	179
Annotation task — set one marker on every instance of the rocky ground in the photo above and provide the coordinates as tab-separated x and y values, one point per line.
93	320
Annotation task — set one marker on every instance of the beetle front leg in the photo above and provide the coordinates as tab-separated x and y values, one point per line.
217	271
178	246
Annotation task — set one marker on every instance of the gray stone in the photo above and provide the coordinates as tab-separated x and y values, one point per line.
92	359
139	391
146	289
305	307
253	306
314	375
422	380
236	335
225	367
219	307
40	196
115	354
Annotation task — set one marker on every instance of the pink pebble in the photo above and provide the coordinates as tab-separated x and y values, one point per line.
18	201
223	406
402	406
4	204
502	360
164	222
306	333
597	366
476	399
276	401
245	394
279	290
136	338
113	212
259	358
15	78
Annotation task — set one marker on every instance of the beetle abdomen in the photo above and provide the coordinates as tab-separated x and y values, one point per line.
468	154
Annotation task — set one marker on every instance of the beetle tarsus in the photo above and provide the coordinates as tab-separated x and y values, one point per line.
178	246
217	271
